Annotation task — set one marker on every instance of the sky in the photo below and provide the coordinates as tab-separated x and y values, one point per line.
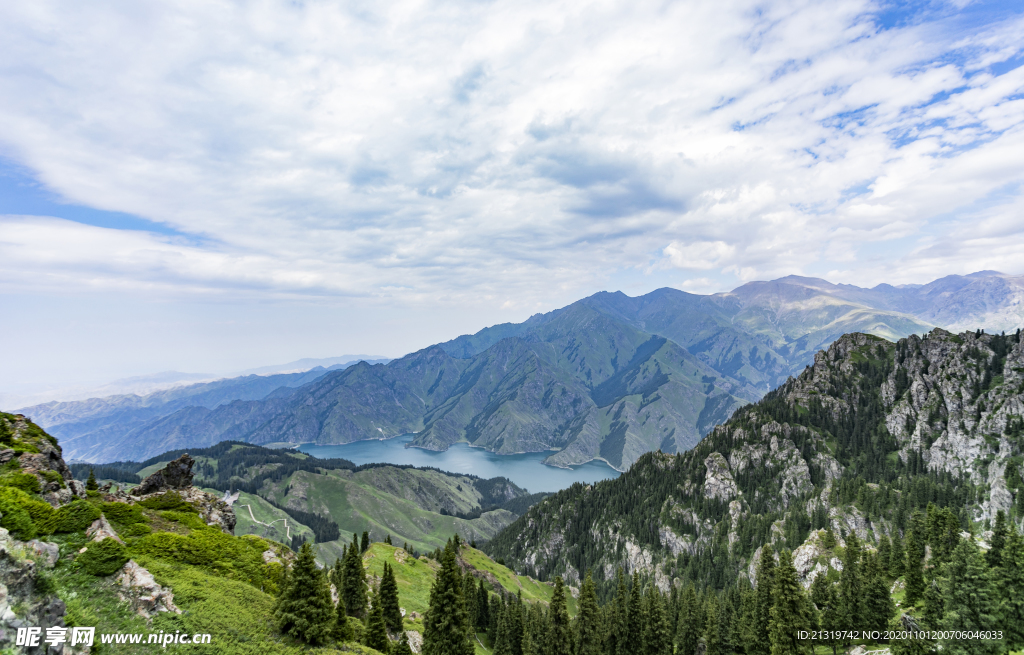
210	186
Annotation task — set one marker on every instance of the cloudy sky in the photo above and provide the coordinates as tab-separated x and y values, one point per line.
208	185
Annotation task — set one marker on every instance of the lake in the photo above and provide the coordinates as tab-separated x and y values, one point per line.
526	470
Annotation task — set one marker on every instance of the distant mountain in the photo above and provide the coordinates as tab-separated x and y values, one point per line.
608	377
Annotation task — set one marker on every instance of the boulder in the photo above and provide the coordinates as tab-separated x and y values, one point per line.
139	588
176	475
101	529
43	552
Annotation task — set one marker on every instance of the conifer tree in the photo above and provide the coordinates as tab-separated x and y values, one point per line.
1010	581
831	619
389	600
402	647
850	583
934	605
633	637
999	533
878	606
559	633
365	546
502	643
897	558
354	591
304	609
747	628
588	620
885	552
712	635
657	636
757	642
617	613
788	613
914	573
515	623
376	635
387	540
446	626
970	601
91	484
342	629
483	614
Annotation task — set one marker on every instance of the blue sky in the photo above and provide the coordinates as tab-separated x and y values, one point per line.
214	186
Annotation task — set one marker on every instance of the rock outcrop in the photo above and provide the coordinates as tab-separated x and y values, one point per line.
176	475
138	587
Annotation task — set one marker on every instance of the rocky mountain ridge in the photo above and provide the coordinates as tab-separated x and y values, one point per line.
870	433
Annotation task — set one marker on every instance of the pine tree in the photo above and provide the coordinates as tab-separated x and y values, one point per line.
1010	581
389	600
365	546
446	626
878	606
934	605
747	628
757	642
588	621
559	633
999	533
354	591
688	627
788	613
304	609
914	574
851	587
657	637
470	597
342	630
387	540
633	638
515	623
617	612
502	643
831	619
91	484
483	614
402	647
897	558
970	601
376	635
712	635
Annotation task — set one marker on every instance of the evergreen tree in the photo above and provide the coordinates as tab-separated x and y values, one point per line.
483	614
91	484
970	601
633	637
376	635
615	640
885	554
446	626
657	637
588	621
914	574
831	618
788	613
387	540
756	641
1010	581
515	623
934	605
402	647
365	546
878	606
354	591
897	558
502	643
304	609
747	629
999	533
389	600
559	633
342	630
469	595
851	586
712	635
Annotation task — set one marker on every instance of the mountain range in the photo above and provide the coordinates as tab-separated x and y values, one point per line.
609	377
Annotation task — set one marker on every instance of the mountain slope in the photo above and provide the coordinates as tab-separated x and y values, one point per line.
871	433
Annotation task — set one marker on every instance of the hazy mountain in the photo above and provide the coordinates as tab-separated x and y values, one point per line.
608	377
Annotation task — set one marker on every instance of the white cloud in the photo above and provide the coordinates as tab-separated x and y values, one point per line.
506	153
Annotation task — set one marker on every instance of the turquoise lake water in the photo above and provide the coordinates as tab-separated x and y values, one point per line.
526	470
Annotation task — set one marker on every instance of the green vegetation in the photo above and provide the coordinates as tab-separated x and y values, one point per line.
103	558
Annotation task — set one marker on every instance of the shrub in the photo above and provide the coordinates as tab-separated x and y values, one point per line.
228	556
123	513
24	481
53	476
103	558
187	519
170	500
15	517
74	517
137	530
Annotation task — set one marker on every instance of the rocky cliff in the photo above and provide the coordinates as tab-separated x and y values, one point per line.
870	433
